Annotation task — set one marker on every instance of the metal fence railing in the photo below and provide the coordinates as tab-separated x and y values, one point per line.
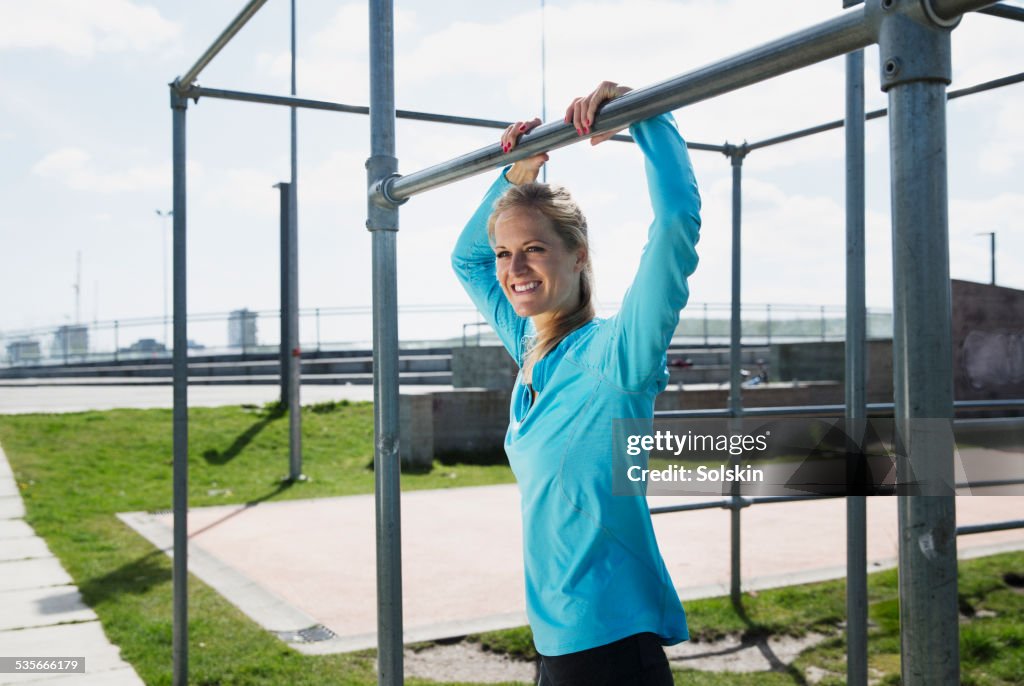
340	328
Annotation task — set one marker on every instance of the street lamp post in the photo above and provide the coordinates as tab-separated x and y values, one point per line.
163	230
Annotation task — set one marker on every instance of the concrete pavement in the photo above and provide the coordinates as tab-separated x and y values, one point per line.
307	565
43	613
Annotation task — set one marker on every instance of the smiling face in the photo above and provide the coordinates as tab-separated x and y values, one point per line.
539	274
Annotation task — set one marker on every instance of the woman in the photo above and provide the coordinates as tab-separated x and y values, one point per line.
599	598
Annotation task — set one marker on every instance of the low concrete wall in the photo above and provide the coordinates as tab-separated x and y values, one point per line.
483	366
469	425
466	425
826	361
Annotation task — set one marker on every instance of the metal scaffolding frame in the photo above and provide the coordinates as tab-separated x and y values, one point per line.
913	37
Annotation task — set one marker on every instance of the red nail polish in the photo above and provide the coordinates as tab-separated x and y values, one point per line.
586	129
522	127
578	132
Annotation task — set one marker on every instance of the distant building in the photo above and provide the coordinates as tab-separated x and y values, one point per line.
21	352
70	340
146	345
242	329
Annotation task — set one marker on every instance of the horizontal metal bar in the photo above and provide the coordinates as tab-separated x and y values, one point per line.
769	500
729	504
687	507
951	9
875	409
850	31
876	114
1004	11
986	528
726	504
234	27
991	483
197	92
1009	404
986	86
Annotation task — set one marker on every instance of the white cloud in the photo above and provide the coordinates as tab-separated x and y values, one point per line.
1005	149
245	190
75	168
333	61
81	28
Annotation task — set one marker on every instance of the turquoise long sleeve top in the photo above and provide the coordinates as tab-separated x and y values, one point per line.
594	573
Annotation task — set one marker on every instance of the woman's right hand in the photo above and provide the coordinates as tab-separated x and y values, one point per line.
525	170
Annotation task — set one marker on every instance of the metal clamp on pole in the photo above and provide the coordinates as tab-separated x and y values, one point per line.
186	92
380	176
736	502
907	47
736	153
178	93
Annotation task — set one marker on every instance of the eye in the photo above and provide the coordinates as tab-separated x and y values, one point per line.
502	253
535	248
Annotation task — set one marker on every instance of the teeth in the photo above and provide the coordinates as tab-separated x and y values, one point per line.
523	287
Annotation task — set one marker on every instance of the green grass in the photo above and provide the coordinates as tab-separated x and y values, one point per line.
76	471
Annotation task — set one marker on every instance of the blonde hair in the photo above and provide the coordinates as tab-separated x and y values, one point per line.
555	203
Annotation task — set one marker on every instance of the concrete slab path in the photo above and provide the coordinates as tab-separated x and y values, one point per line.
42	611
307	564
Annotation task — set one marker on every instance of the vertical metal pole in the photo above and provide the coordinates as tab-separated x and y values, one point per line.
290	353
294	360
822	322
736	155
284	349
768	315
916	67
180	480
543	76
117	329
856	409
382	221
992	251
318	329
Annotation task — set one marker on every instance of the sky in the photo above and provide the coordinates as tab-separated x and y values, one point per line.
85	139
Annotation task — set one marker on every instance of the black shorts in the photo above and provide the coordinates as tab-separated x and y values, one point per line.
637	660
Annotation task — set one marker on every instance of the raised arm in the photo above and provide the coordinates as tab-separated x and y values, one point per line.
643	328
473	262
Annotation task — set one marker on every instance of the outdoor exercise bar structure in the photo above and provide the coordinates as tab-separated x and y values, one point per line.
913	36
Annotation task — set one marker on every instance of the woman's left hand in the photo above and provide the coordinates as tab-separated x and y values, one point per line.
582	112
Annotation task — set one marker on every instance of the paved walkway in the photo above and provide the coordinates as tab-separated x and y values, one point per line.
43	614
307	564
